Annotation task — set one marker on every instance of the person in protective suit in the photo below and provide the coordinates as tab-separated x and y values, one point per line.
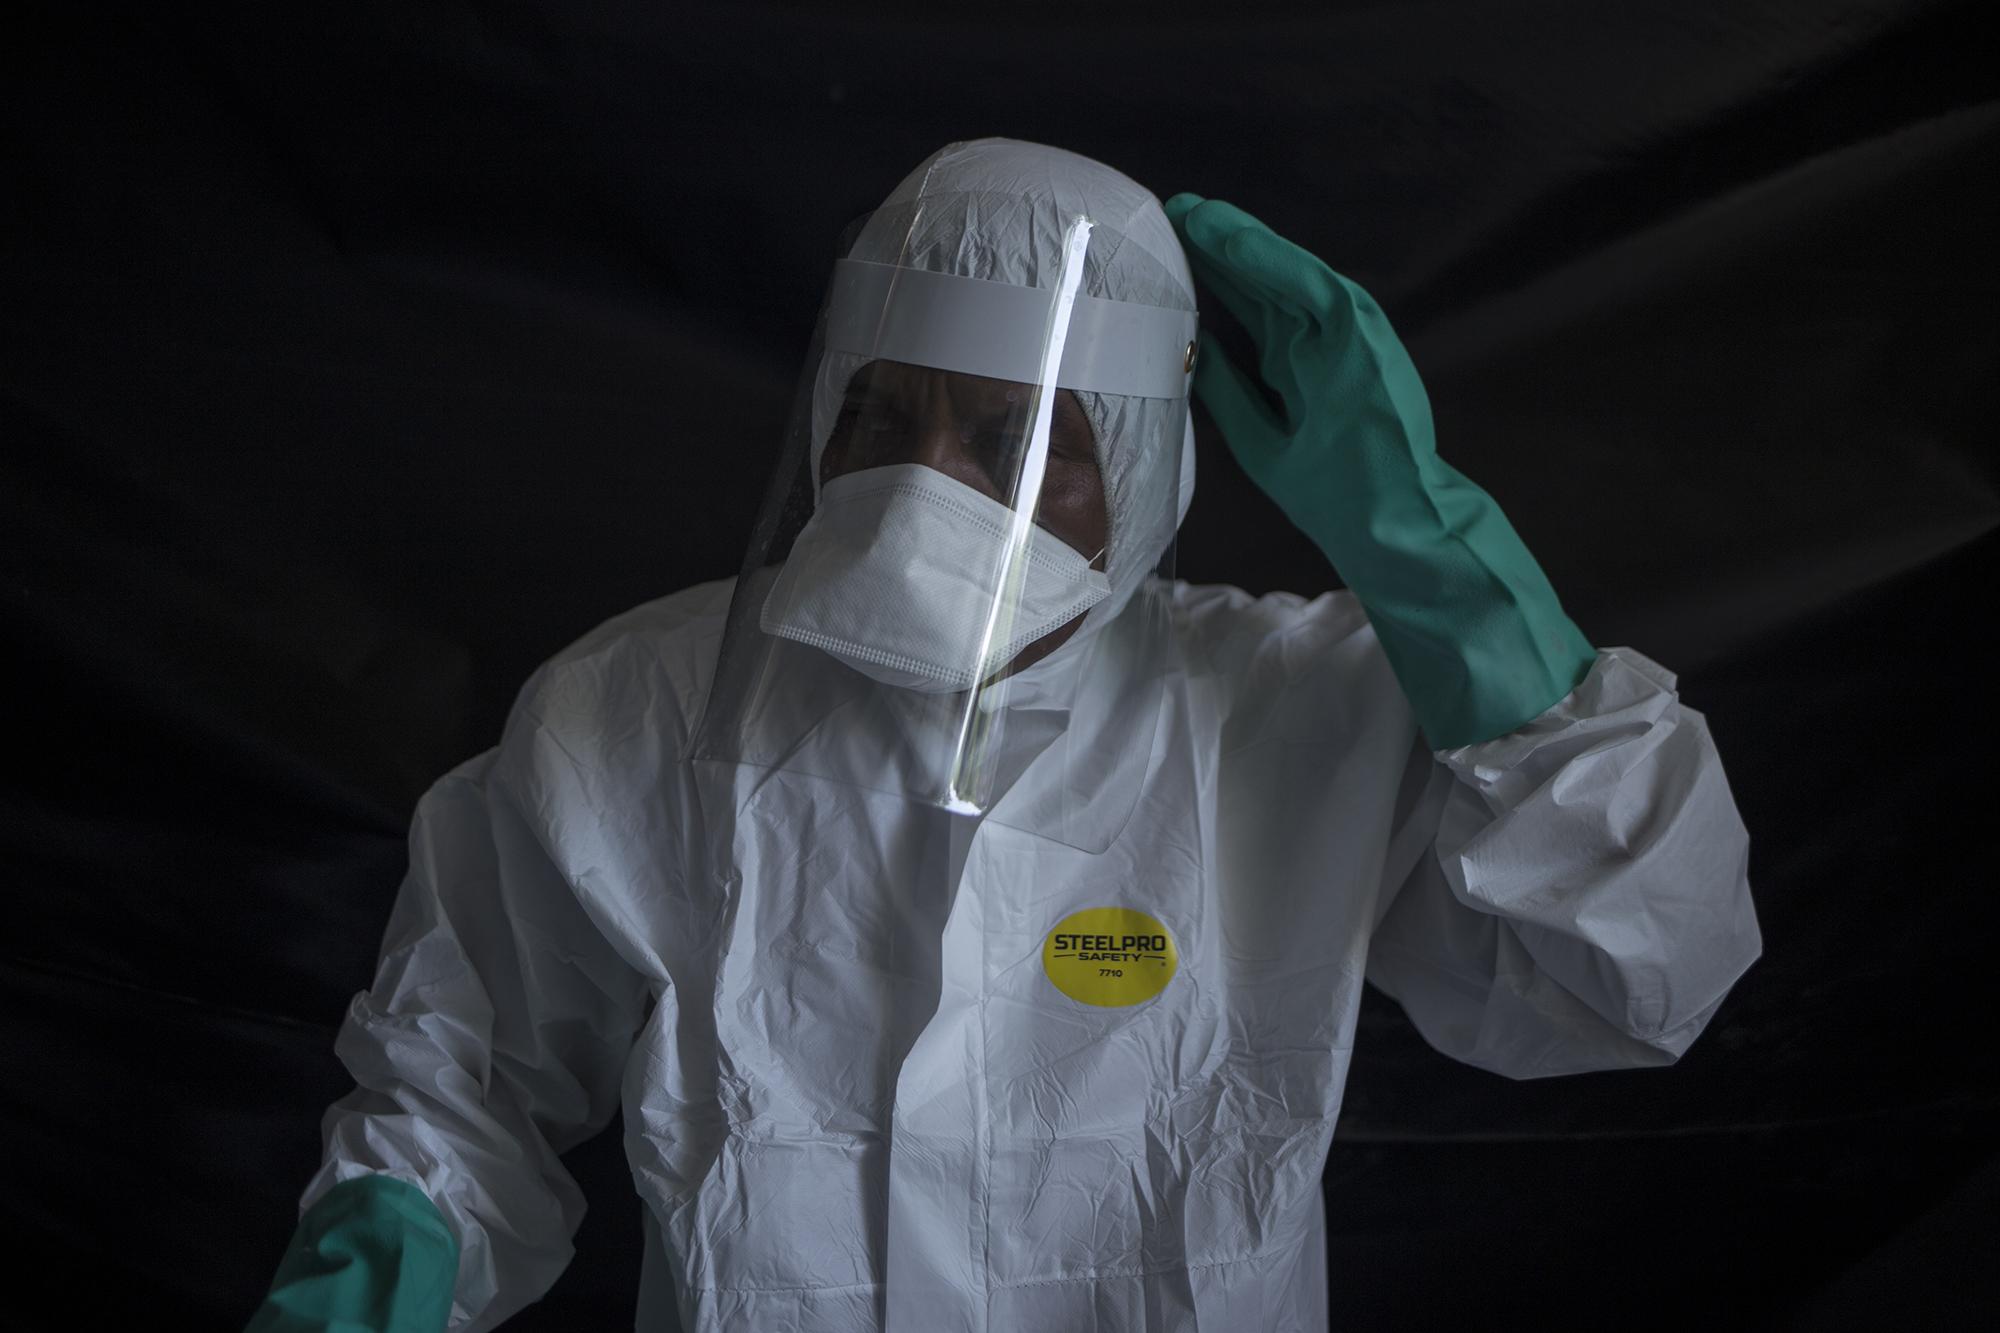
971	918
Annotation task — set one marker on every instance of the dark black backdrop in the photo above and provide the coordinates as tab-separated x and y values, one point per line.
354	358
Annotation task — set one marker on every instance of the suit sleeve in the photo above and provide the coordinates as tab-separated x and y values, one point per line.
495	1034
1572	895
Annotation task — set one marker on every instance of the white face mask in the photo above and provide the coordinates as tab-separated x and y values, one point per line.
894	575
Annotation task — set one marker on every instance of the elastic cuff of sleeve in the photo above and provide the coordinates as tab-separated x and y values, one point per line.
1624	690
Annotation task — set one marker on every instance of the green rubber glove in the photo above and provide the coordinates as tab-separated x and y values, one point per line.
1468	620
372	1255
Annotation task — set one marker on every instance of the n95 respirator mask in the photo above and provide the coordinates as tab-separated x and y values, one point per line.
903	574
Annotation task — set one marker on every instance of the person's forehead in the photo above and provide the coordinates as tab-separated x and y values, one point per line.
900	380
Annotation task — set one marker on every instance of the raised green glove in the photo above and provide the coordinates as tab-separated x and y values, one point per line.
1469	622
372	1255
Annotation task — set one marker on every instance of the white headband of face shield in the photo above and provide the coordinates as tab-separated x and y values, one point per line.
1000	331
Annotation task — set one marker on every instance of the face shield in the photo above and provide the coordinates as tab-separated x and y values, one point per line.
953	594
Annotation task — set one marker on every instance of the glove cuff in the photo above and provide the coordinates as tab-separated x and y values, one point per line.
373	1253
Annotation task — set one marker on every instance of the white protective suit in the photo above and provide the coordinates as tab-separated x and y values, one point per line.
854	1100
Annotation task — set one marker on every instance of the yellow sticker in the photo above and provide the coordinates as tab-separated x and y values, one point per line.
1110	956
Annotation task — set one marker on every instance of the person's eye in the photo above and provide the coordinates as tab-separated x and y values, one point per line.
855	422
997	446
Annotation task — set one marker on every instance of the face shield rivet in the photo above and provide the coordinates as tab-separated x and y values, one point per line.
1190	360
